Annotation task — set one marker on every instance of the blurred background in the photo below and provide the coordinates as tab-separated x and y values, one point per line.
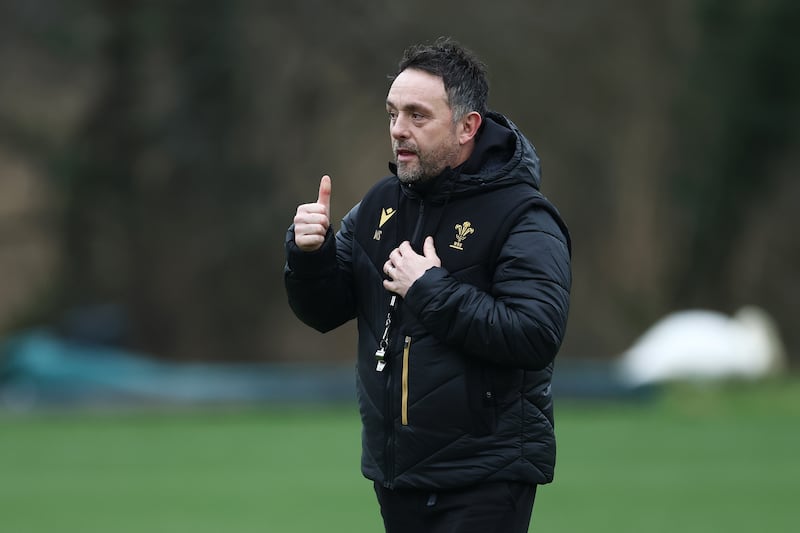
152	155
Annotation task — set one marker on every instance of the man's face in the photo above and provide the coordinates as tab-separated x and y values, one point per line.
421	125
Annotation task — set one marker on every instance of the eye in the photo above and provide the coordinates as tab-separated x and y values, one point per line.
417	116
392	115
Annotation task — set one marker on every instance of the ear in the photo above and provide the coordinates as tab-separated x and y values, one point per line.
470	125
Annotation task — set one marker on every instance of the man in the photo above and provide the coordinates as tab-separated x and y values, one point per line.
458	272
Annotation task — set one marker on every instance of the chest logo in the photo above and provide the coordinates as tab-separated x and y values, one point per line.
386	214
463	231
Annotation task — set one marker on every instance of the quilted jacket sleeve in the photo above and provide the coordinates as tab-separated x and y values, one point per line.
521	322
319	284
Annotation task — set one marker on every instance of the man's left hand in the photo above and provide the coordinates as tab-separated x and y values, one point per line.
405	266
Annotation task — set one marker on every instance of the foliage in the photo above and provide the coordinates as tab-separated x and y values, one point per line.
172	142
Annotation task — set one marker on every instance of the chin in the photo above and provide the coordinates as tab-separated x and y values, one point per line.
408	177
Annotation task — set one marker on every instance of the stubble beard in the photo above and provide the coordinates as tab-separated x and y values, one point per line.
427	165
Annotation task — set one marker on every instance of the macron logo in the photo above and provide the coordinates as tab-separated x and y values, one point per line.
386	214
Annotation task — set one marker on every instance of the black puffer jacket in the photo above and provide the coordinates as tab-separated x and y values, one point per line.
465	395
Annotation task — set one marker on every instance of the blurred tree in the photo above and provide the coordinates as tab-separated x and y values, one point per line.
161	207
740	116
179	138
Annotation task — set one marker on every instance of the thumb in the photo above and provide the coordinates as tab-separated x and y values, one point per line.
428	249
324	197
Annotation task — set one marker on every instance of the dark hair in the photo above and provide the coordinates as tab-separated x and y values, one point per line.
463	74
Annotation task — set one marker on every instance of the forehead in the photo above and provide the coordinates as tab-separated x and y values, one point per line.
417	87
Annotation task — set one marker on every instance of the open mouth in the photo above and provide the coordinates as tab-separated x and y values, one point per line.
404	154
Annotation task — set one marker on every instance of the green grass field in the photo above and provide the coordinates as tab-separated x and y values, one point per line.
696	460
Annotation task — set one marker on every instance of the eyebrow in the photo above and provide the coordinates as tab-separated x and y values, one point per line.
411	107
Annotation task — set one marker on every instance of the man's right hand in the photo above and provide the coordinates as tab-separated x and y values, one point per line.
312	220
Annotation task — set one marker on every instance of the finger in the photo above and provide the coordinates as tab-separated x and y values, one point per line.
428	249
309	242
324	196
307	228
307	216
405	248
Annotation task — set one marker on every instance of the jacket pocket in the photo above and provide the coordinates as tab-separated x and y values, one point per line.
482	399
404	382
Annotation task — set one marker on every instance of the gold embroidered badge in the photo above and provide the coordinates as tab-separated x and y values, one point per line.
386	214
463	230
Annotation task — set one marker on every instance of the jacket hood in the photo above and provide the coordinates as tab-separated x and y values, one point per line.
502	156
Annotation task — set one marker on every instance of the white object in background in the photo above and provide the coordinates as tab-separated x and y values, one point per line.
705	345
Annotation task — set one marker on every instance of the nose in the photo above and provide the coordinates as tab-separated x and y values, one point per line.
398	128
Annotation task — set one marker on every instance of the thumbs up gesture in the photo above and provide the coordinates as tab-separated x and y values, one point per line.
311	222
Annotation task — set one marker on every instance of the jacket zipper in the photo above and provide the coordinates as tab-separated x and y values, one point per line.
389	424
415	238
404	395
391	438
